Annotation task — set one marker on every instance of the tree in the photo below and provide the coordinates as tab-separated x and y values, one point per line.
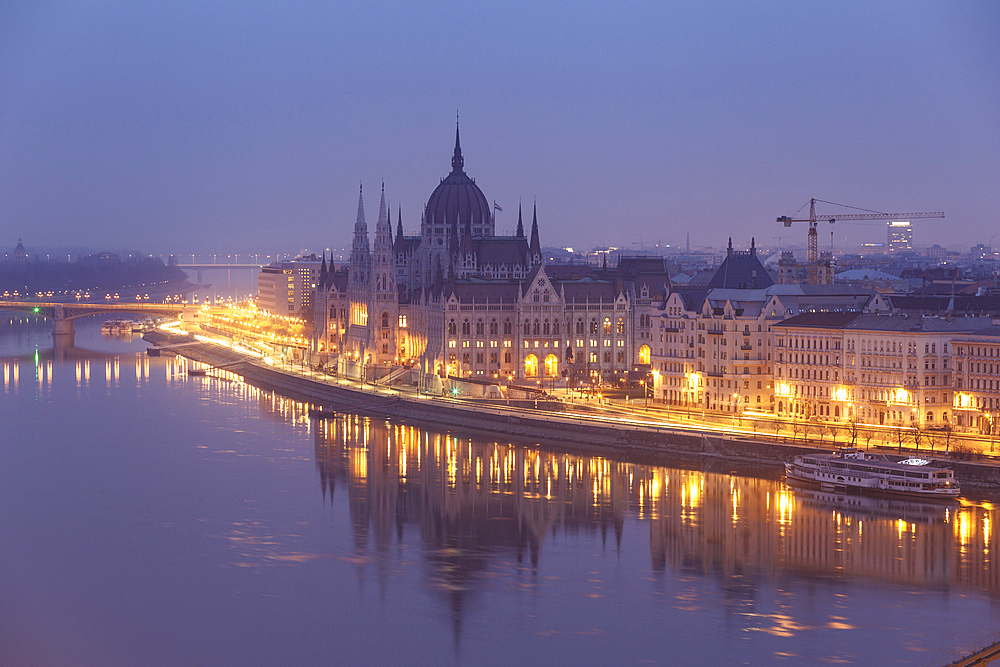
918	437
867	434
854	430
901	435
834	430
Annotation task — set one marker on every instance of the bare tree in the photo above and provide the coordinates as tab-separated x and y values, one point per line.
777	428
834	429
918	436
867	434
854	430
901	435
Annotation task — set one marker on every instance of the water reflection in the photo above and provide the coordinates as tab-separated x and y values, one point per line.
474	501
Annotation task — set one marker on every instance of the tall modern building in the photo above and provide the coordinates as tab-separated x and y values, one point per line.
900	236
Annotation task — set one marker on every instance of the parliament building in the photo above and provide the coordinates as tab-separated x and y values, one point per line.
458	300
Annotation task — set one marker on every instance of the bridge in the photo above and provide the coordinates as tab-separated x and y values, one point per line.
63	314
199	268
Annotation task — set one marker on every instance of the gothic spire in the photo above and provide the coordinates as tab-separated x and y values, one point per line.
399	226
457	161
520	225
535	248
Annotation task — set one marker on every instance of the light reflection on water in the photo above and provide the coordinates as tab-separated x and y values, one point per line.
202	520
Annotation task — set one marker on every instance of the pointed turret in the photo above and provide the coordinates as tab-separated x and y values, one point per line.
399	229
534	247
729	252
520	225
457	161
467	248
360	227
453	244
383	231
753	246
322	273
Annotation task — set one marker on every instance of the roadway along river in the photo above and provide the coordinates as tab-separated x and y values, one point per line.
150	517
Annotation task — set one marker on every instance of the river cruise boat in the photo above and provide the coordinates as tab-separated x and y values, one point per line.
850	469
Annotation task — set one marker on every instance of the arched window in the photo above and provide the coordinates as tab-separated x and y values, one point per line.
493	327
545	328
527	328
506	327
555	327
836	411
465	327
385	320
620	326
593	327
452	330
579	326
535	328
479	327
607	325
930	416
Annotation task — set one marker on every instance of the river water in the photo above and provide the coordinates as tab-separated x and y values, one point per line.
148	517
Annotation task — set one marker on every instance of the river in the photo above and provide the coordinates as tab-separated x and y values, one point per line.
149	517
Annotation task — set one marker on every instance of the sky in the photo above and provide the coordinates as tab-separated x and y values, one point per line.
209	126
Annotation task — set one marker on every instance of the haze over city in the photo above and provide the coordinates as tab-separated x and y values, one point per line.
195	127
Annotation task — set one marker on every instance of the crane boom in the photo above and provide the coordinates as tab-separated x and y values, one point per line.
813	254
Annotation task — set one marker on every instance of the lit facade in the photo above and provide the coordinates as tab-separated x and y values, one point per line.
976	402
899	236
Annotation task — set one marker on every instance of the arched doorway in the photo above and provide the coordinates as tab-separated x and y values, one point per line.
551	366
644	354
531	366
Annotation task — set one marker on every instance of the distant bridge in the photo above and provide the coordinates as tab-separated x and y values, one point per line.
199	268
63	314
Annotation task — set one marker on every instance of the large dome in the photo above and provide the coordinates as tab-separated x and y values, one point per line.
458	199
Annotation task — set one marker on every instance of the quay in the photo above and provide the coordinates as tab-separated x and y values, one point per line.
583	428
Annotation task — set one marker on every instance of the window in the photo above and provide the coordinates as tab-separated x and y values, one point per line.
385	320
493	327
579	326
465	328
527	328
402	321
506	327
451	328
607	357
620	326
506	357
593	327
607	325
479	328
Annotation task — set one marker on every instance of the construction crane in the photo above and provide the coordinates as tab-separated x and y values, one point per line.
813	254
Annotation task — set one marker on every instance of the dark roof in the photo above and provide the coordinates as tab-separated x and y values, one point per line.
589	289
964	303
484	291
457	199
820	320
497	250
741	269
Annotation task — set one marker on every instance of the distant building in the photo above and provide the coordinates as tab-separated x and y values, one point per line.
286	288
20	255
937	252
980	252
899	236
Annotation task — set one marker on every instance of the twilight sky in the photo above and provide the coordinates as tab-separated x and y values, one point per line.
209	126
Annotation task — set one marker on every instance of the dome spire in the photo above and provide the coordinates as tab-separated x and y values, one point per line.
457	161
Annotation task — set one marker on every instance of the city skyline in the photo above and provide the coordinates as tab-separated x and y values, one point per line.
136	128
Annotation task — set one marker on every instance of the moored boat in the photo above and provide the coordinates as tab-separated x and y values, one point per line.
850	469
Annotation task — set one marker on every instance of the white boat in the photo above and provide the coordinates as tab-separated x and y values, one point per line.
850	469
